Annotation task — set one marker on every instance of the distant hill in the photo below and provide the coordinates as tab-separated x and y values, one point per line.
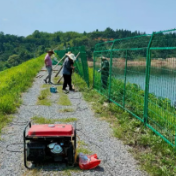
16	49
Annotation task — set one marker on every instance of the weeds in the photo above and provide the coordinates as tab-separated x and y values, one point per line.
63	98
43	120
67	110
55	80
4	119
43	98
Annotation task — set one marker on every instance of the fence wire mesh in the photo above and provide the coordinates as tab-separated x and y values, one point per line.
140	78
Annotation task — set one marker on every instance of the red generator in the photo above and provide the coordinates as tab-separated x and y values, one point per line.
54	142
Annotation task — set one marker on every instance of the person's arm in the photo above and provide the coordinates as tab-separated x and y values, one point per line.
102	67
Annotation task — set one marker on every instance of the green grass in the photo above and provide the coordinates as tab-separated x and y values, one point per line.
4	119
83	147
13	82
82	143
43	94
33	172
67	110
43	98
67	120
46	86
84	151
55	80
161	113
68	170
43	120
63	98
154	155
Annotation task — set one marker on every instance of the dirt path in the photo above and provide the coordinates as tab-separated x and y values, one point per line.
95	136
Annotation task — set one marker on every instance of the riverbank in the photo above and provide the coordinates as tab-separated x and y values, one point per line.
119	62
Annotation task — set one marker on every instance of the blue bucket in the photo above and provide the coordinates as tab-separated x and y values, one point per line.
53	89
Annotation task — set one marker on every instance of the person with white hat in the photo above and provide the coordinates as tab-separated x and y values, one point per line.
67	70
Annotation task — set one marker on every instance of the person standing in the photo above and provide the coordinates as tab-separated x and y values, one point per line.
48	64
104	72
67	71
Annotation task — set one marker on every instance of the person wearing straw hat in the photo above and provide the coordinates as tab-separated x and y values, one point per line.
48	64
67	71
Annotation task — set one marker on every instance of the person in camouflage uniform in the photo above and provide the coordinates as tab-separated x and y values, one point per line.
104	72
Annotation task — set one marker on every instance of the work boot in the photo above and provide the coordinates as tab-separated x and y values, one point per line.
72	90
45	81
65	91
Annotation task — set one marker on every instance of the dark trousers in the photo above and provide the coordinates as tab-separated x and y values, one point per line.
104	81
67	80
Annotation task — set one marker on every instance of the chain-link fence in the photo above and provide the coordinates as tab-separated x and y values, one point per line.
139	75
81	66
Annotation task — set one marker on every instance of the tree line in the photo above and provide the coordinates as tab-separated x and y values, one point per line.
17	49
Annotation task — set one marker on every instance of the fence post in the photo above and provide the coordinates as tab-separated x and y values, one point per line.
83	65
93	69
175	137
124	90
147	79
110	73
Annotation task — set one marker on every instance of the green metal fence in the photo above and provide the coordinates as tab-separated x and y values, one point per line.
81	66
139	75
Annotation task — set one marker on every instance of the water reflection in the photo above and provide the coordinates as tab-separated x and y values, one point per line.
162	80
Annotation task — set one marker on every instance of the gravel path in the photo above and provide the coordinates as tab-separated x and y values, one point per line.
97	135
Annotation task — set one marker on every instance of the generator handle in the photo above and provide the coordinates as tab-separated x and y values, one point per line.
24	132
24	143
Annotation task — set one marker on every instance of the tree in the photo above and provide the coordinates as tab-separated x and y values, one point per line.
36	34
13	60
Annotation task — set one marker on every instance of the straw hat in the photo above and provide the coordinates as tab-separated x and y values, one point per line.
50	51
71	56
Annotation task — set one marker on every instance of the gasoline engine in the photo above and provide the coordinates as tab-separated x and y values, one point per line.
55	142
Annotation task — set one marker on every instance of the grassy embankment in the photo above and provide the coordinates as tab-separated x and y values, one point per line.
13	82
154	155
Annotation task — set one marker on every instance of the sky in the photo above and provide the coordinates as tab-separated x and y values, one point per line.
23	17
